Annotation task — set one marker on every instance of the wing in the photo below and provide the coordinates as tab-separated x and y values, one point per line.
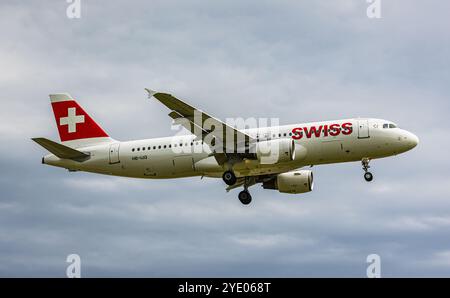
201	124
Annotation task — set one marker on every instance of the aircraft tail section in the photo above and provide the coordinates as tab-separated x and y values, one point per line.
76	128
62	151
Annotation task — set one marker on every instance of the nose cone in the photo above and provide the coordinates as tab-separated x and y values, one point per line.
411	140
414	140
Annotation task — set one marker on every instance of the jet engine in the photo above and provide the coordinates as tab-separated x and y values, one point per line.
275	151
292	182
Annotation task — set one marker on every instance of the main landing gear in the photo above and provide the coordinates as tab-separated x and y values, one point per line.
367	175
245	197
229	178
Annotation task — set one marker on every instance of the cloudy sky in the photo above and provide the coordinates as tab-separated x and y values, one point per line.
297	60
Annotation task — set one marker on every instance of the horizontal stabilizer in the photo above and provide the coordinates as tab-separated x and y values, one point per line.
60	150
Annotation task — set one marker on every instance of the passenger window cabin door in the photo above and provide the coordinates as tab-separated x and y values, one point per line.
114	153
363	129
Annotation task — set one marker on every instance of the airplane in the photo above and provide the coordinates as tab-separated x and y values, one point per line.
273	156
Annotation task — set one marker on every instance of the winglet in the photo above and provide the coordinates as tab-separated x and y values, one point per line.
150	92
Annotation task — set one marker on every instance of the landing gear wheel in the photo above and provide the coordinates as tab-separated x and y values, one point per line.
229	178
245	197
365	164
368	176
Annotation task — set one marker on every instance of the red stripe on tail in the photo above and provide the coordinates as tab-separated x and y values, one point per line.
74	123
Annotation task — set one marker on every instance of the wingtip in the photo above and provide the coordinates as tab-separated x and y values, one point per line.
150	92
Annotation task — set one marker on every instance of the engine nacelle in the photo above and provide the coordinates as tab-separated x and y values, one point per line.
275	151
292	182
300	152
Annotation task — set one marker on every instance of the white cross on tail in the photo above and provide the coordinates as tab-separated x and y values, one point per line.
71	120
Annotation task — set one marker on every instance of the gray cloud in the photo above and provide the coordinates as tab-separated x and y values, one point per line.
299	61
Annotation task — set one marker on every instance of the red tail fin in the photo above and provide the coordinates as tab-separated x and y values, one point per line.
72	121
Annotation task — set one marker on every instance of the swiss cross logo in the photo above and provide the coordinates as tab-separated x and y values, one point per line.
71	120
74	123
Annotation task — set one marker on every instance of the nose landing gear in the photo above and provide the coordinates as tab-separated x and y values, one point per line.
367	175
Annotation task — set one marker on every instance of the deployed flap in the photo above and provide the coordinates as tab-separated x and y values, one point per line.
60	150
200	123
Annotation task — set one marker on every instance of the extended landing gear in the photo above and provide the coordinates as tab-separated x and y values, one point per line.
367	175
245	197
229	178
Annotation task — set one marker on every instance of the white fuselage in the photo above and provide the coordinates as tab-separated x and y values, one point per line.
157	158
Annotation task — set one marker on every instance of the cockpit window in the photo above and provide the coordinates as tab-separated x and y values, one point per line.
389	125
